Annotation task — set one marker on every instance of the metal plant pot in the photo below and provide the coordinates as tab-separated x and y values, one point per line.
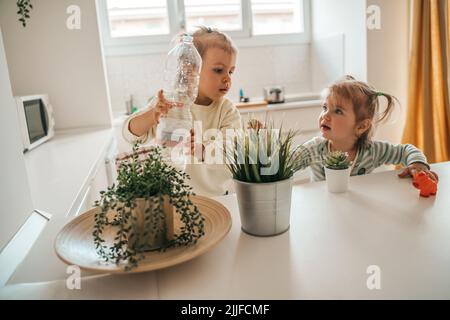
264	207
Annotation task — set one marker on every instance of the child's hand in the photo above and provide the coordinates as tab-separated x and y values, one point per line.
162	107
254	124
416	168
197	150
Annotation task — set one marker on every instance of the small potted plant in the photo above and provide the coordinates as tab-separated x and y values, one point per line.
337	171
141	209
263	161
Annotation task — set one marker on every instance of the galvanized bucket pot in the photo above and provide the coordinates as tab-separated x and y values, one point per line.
265	208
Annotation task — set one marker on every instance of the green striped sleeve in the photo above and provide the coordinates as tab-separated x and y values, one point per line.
405	154
314	148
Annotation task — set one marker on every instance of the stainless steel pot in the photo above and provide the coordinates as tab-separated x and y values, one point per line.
264	208
274	94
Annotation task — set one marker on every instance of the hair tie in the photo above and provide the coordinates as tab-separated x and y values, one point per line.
209	29
380	94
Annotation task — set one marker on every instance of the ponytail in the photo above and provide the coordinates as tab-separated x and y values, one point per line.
364	99
389	108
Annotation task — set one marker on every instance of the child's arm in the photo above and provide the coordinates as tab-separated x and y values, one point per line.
412	169
406	154
139	126
311	154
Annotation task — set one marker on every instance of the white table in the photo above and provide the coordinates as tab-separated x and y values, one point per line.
332	241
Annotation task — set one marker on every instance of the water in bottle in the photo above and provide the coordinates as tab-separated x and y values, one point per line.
181	79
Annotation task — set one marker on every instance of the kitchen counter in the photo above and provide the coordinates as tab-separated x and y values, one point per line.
333	241
59	172
59	169
283	106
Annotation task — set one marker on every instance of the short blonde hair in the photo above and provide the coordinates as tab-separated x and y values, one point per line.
206	37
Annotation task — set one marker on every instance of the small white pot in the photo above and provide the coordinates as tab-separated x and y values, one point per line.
337	180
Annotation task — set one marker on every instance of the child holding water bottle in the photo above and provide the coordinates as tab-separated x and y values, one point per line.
211	110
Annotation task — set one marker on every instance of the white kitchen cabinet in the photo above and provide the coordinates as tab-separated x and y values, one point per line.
15	193
100	178
103	177
91	191
18	224
65	176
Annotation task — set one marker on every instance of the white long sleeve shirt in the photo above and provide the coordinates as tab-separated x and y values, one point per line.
206	179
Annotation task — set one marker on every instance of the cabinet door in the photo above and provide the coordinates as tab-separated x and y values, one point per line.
99	183
15	195
91	193
100	179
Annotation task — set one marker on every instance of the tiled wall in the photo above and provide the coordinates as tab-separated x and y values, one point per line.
141	75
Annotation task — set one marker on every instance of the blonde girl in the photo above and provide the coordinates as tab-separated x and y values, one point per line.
349	113
211	109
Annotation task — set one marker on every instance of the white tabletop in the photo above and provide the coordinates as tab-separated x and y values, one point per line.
332	241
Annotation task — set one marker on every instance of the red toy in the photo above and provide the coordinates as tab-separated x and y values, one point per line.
426	185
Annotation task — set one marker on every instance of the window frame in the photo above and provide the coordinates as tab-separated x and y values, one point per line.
160	43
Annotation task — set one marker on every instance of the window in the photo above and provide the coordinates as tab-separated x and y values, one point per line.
137	17
277	17
140	26
222	14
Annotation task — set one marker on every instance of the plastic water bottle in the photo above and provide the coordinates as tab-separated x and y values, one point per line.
181	79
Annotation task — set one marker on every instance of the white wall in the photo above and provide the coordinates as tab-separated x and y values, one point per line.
141	75
47	57
379	57
334	22
15	196
388	56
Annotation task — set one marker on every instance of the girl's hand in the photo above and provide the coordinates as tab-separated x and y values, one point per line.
416	168
254	124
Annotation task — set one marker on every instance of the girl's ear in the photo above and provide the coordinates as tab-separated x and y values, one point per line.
363	126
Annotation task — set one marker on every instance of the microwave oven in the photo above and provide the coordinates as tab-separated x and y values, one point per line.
35	119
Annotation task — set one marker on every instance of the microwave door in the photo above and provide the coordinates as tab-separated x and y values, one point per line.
36	120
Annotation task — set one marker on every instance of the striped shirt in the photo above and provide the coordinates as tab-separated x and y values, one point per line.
368	158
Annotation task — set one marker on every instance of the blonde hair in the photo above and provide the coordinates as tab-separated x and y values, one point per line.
364	99
206	37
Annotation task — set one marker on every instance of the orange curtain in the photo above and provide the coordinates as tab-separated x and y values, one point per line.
428	118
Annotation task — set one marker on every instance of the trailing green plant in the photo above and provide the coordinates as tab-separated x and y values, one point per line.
337	160
144	175
24	7
263	154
